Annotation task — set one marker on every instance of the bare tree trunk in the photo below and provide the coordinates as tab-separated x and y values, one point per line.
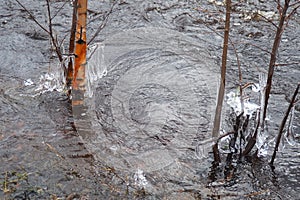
217	120
70	71
78	84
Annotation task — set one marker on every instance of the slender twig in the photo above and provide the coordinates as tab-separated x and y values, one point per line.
59	9
32	17
292	13
293	4
286	64
217	120
273	57
53	39
283	124
103	24
267	20
279	7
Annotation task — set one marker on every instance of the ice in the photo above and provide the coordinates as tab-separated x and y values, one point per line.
233	100
289	134
262	85
204	147
96	67
140	179
28	82
53	80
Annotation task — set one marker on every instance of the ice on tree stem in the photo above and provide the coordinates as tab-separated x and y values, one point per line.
96	67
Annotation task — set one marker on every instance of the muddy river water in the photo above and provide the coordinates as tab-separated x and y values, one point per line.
147	125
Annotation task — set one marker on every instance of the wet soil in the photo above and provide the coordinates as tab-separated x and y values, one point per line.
41	153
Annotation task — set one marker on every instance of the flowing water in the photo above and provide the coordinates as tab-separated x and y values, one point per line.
146	126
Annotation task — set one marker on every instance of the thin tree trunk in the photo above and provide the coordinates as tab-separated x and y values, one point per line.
80	53
275	47
70	71
217	120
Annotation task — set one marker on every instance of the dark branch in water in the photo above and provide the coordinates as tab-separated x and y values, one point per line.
293	100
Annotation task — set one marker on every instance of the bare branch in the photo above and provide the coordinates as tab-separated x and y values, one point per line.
267	20
275	47
283	124
53	39
292	13
286	64
60	8
104	22
293	4
32	17
279	7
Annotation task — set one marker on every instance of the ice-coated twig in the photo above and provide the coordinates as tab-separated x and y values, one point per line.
283	124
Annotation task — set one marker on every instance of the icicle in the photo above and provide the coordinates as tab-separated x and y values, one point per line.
203	148
289	134
96	67
262	84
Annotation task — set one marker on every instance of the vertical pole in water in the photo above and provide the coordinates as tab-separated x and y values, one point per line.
78	85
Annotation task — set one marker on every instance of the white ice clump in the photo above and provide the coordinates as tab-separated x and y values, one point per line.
49	83
234	101
96	67
261	144
54	80
28	82
140	179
